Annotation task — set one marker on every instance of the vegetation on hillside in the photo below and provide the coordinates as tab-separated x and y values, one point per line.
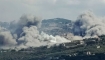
92	48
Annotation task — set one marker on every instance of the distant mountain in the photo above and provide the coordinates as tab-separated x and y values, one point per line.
84	26
57	26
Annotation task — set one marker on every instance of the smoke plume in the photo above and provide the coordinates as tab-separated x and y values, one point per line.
87	24
6	38
24	33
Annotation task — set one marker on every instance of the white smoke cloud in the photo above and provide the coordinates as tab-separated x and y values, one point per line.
88	24
32	37
77	38
6	38
25	21
24	33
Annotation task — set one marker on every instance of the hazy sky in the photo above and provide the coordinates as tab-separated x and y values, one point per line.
69	9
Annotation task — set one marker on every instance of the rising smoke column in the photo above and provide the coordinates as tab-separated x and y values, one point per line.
24	33
27	21
87	24
29	36
25	27
27	30
6	38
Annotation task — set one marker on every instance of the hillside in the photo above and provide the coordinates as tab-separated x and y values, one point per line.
29	35
57	26
89	49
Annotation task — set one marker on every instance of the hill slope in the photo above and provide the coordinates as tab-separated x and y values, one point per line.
57	26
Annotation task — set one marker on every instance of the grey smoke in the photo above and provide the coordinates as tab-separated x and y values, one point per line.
29	20
6	38
33	38
30	37
24	33
26	21
87	24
